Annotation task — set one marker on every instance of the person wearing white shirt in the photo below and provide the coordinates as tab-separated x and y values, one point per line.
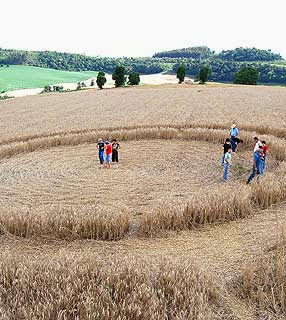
258	144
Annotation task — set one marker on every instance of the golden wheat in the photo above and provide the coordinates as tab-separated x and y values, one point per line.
81	287
263	282
252	107
85	223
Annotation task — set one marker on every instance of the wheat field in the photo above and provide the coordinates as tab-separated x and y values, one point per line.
158	236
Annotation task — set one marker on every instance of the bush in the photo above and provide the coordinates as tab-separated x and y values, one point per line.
92	83
58	88
101	79
5	97
119	76
134	79
247	75
80	85
47	89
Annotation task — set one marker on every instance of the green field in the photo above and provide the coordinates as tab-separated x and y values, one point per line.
26	77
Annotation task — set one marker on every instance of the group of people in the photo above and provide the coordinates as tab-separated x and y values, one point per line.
107	152
260	153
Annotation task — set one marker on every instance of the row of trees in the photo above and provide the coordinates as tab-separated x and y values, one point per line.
245	75
225	71
224	66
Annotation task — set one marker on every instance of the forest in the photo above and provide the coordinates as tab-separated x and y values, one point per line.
224	65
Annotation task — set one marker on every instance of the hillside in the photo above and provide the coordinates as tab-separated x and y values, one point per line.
25	77
224	65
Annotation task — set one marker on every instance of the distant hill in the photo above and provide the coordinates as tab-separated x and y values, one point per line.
192	52
224	65
249	54
238	54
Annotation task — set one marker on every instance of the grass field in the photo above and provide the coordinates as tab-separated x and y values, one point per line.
159	236
26	77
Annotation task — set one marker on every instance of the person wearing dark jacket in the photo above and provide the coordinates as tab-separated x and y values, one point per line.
115	148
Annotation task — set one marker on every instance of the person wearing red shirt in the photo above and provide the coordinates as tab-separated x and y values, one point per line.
265	153
108	153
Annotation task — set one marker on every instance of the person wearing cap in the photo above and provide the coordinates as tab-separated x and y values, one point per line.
108	153
233	136
100	148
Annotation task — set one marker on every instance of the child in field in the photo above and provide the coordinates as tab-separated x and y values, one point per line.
226	163
226	146
115	148
100	148
108	153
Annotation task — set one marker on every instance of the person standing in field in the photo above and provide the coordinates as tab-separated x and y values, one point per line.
100	148
265	153
226	163
226	146
115	148
108	153
256	166
258	144
233	136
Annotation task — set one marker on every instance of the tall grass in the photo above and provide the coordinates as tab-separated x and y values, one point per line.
258	129
263	282
88	223
220	206
277	146
10	150
79	286
270	189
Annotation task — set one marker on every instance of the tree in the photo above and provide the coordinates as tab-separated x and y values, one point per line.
181	73
247	75
100	80
119	76
134	78
204	73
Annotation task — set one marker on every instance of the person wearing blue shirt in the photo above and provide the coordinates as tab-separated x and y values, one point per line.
233	137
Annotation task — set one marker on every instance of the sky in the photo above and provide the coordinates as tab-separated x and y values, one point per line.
140	28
